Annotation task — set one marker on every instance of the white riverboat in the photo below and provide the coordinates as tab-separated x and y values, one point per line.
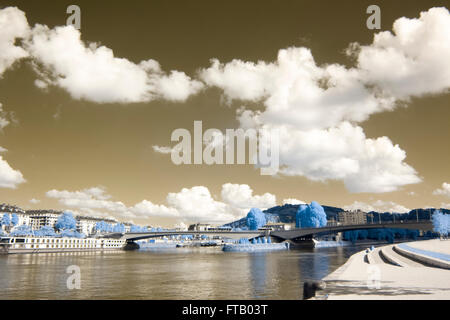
255	247
9	245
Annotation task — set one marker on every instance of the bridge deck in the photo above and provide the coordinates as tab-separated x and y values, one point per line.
424	225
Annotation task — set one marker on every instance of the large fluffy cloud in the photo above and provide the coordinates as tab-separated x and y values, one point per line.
295	90
317	108
198	204
194	204
241	196
13	26
344	153
444	191
86	70
293	201
411	61
93	73
92	198
9	177
378	206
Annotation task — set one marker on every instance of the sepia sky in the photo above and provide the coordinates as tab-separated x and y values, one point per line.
82	120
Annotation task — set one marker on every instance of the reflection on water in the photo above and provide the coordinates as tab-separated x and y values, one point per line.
184	273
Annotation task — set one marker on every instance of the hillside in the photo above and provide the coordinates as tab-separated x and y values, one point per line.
286	214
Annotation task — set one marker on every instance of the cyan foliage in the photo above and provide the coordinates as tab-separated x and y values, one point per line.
6	220
22	231
255	219
388	234
14	219
66	221
441	223
310	216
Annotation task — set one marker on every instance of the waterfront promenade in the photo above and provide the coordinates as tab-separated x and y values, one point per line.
406	271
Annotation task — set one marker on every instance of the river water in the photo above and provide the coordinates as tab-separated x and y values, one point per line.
182	273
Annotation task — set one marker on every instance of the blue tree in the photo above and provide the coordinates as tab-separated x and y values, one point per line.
441	223
69	233
413	234
363	234
66	221
6	221
255	219
101	226
45	231
14	219
310	216
351	235
119	227
134	228
20	231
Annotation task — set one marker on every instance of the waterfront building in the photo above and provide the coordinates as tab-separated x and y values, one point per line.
86	224
37	219
277	226
199	227
332	222
12	209
352	217
41	218
128	226
8	208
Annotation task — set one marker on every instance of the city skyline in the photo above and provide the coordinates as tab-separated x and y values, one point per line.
80	141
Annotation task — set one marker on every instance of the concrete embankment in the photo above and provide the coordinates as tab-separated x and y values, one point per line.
416	270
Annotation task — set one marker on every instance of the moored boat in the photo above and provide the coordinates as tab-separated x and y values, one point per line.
10	245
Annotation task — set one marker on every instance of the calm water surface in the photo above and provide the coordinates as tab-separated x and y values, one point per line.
182	273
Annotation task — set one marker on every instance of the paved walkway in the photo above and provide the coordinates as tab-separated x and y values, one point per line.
401	259
431	248
368	276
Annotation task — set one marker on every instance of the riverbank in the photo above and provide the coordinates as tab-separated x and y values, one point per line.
395	272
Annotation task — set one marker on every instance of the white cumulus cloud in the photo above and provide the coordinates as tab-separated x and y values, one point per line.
444	190
293	201
9	177
241	196
93	73
13	26
86	71
378	206
411	61
317	107
194	204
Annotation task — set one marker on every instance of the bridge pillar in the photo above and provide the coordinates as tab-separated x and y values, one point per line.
131	245
303	242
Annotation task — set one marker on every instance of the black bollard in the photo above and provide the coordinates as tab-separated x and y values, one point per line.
310	288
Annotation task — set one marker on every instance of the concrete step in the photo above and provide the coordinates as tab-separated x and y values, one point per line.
423	259
374	257
399	259
389	257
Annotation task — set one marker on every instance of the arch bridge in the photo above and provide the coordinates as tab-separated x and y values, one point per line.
249	234
302	233
294	235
